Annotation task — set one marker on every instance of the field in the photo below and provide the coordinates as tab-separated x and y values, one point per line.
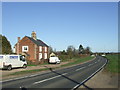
112	65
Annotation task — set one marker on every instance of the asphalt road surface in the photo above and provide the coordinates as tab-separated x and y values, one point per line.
69	78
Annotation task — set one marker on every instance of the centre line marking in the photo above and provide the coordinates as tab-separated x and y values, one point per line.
49	78
79	69
90	64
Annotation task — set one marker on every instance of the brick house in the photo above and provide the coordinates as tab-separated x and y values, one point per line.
33	48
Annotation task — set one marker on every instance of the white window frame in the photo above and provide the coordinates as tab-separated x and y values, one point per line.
23	48
40	48
40	56
45	55
45	49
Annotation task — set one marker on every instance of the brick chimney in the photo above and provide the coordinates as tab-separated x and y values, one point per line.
18	39
33	35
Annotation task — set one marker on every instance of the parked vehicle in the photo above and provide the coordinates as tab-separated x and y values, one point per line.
103	55
54	59
12	61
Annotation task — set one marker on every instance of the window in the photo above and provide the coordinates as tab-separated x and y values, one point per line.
1	57
45	49
13	57
40	48
40	56
24	48
22	58
45	56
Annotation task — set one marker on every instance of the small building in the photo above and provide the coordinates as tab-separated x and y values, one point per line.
52	54
32	48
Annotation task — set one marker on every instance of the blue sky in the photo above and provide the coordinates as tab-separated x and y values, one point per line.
60	24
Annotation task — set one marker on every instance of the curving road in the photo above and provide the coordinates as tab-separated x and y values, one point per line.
70	78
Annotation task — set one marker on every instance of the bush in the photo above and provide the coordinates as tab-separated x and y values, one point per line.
42	61
67	57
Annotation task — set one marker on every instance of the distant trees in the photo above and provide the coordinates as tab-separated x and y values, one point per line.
86	50
64	52
71	52
5	44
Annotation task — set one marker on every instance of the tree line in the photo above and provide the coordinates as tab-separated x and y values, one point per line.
71	52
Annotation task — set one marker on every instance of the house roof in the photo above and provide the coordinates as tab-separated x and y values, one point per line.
38	42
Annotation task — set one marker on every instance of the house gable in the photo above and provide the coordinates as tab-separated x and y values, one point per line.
32	48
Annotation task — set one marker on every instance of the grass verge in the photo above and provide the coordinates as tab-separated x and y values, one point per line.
78	60
29	71
112	65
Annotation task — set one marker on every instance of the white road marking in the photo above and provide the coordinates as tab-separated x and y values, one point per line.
95	62
28	75
79	69
49	79
90	64
89	76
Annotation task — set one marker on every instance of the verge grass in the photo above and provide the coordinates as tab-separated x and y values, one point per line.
28	71
78	60
112	65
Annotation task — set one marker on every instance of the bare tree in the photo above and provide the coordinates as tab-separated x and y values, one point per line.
50	49
70	51
87	50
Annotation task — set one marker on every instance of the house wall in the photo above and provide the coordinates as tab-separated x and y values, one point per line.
26	42
33	49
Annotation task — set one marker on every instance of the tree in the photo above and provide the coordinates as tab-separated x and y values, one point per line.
6	46
87	50
70	51
50	50
63	52
81	49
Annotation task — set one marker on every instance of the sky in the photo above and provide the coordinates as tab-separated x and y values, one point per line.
60	24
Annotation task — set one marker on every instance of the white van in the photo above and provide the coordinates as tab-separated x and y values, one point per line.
54	59
12	61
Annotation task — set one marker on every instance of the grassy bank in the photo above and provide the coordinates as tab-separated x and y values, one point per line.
112	65
78	60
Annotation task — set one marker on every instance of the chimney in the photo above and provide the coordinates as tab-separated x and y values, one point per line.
18	39
33	35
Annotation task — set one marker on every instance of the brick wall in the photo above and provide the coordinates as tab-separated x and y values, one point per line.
33	49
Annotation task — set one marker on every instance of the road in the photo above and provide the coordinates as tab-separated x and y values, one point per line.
69	78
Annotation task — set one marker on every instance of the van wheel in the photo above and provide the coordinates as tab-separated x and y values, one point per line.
9	67
24	66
